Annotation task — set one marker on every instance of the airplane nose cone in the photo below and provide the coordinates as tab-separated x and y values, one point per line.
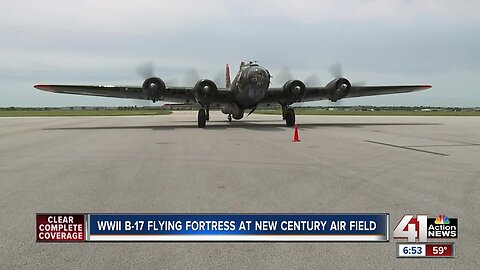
258	77
296	89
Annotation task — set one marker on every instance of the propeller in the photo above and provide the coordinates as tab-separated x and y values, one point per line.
146	70
171	82
336	70
284	75
219	79
191	77
359	83
312	80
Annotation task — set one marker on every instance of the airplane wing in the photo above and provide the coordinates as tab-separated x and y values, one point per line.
222	95
314	93
173	94
328	92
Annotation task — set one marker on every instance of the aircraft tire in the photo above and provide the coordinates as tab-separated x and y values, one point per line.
290	117
202	118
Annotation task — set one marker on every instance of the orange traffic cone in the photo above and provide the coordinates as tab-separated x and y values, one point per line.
295	134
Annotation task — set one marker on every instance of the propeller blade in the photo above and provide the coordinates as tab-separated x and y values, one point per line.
336	70
359	83
146	70
191	77
312	80
284	75
171	82
219	79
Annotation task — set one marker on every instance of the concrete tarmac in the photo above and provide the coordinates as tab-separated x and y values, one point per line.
165	164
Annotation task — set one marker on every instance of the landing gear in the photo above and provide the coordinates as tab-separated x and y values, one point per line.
289	117
207	111
284	111
229	117
288	114
202	118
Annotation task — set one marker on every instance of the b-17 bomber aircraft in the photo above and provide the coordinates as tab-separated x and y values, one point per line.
249	89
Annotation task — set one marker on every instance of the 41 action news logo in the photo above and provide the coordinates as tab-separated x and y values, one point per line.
422	227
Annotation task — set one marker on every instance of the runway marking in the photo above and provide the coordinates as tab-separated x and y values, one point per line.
408	148
444	145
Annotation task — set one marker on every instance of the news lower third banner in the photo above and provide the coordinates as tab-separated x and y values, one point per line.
212	227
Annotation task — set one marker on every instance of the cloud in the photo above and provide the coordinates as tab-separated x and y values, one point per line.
369	10
380	41
153	15
108	15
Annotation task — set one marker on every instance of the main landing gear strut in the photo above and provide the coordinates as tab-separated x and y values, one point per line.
203	116
288	114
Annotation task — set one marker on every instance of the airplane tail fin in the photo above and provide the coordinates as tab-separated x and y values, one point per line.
227	76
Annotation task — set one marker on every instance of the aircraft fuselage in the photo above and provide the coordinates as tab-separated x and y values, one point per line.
250	85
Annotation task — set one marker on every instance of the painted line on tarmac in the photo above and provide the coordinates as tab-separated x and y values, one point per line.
408	148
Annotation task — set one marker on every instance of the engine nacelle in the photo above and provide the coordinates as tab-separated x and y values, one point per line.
294	91
204	91
154	88
233	109
338	88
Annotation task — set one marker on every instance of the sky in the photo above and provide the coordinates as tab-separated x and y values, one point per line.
380	42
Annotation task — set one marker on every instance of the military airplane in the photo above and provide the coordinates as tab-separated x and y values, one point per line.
249	88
